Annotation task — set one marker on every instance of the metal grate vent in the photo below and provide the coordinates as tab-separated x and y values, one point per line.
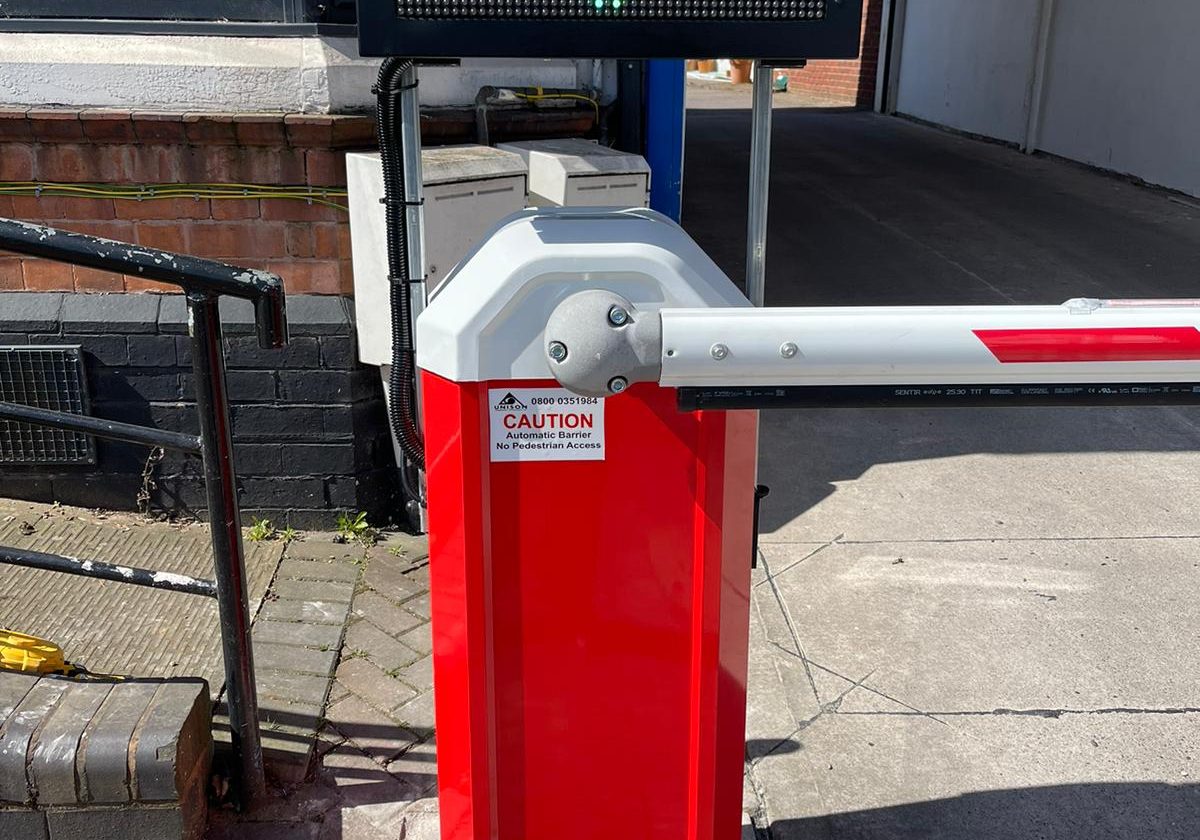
44	377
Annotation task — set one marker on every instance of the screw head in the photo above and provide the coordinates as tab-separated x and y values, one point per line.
718	351
557	351
618	317
788	350
618	384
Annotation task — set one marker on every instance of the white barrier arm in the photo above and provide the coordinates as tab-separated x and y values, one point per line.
813	355
1079	341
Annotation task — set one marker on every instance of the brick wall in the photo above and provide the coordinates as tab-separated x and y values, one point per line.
846	82
309	428
307	244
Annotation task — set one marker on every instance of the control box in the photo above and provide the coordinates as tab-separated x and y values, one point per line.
572	172
467	190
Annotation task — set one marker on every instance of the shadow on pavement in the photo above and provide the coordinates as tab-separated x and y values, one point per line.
804	453
1065	812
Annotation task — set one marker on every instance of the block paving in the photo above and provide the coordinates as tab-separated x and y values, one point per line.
373	771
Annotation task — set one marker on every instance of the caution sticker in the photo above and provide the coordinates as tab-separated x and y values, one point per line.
545	424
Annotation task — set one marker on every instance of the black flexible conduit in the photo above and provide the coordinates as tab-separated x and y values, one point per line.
402	409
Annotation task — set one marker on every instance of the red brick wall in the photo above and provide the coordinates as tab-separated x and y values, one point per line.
307	244
846	82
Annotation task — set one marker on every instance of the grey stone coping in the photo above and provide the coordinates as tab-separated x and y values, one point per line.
307	315
86	742
321	314
30	311
139	313
172	315
111	313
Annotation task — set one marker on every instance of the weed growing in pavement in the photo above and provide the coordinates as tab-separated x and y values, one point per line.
355	529
262	530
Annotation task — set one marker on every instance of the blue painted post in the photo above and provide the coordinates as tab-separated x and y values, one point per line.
665	111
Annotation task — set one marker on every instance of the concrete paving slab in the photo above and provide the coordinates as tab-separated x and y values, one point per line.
781	693
1026	625
871	776
115	628
920	475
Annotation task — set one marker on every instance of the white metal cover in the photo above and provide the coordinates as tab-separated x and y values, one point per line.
486	322
572	172
467	190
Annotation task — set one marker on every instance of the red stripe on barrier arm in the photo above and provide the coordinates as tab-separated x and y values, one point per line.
1115	344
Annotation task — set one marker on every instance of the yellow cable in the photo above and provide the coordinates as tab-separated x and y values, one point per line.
155	189
534	97
167	191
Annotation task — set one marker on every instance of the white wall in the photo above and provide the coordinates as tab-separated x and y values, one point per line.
966	64
1123	88
208	73
1120	89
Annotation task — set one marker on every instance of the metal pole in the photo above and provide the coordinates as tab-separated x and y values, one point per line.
212	402
760	180
414	182
99	427
410	136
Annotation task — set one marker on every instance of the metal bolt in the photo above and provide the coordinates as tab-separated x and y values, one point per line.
788	350
618	384
557	351
719	351
618	317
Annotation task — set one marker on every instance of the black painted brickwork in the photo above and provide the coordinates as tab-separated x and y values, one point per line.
309	426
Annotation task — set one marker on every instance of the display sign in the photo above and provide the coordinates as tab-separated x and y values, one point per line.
779	30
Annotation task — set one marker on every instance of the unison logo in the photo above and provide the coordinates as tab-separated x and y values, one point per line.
510	403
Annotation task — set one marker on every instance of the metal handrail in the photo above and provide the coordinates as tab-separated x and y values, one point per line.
106	571
111	429
204	282
193	274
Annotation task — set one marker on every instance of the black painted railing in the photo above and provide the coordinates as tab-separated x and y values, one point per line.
203	282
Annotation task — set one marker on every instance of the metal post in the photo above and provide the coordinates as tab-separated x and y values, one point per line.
760	180
208	364
665	118
414	183
410	137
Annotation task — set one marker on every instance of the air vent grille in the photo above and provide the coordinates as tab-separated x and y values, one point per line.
44	377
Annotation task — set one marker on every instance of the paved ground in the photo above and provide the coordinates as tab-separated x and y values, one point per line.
968	624
113	628
375	773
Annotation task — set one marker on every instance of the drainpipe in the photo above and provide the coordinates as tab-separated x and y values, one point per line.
1037	82
891	97
884	56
